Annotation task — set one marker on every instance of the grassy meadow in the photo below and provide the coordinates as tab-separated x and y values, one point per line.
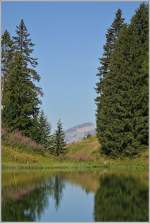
20	152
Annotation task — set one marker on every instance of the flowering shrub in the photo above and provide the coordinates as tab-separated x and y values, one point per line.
17	139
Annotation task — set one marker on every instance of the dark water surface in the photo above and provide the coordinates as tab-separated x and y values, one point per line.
74	196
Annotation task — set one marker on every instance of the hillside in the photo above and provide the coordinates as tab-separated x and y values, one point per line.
20	152
84	150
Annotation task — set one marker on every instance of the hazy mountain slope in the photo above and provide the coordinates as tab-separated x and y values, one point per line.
79	132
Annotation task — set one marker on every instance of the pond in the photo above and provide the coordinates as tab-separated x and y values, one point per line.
74	196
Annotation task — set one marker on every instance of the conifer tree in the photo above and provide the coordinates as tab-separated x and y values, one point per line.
23	44
130	122
123	116
44	128
41	130
139	29
52	144
103	86
59	140
20	100
111	37
6	55
21	95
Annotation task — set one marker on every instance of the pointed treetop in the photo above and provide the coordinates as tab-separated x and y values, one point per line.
6	33
118	21
23	44
6	37
118	13
22	25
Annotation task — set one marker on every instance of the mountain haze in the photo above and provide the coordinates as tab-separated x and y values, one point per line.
78	132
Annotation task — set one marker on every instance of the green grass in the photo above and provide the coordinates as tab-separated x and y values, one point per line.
85	150
79	156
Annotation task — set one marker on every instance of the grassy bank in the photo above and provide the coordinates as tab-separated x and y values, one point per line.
20	153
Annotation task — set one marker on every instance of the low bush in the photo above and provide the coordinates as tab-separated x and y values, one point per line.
18	140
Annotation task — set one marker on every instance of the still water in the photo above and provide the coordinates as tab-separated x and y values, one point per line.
76	196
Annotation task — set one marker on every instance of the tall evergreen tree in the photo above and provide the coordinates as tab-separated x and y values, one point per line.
123	117
23	44
21	95
20	100
6	55
111	37
103	86
59	140
139	29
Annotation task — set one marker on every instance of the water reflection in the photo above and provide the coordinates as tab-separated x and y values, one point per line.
57	190
31	205
26	208
74	197
120	198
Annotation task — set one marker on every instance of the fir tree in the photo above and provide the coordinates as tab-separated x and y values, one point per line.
41	130
23	44
59	140
123	117
44	128
7	53
139	29
103	86
52	144
20	101
21	95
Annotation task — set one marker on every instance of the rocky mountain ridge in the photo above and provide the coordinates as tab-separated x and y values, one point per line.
78	132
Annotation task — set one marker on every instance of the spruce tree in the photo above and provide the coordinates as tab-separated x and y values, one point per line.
139	29
6	56
59	140
23	44
123	126
52	144
44	128
20	101
21	95
115	135
41	131
103	86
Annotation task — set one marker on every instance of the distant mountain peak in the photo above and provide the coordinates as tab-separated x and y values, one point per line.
80	126
80	131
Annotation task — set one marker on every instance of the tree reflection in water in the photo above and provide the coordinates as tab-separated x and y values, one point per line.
121	198
117	197
32	205
57	190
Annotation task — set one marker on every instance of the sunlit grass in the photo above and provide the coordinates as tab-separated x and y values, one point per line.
79	156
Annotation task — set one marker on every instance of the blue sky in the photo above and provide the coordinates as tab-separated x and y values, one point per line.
68	39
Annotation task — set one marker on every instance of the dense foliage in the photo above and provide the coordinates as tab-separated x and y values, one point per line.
20	94
122	88
40	131
6	55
